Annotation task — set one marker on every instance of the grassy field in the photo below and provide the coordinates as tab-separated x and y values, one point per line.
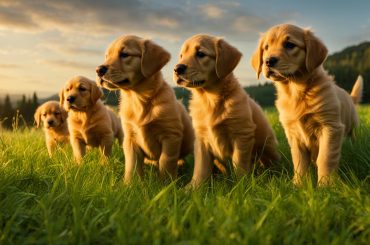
54	201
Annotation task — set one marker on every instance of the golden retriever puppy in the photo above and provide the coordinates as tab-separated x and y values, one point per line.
227	122
155	124
90	122
54	121
314	112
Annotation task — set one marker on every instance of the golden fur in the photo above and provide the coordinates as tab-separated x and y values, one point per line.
314	112
227	123
90	122
54	121
155	124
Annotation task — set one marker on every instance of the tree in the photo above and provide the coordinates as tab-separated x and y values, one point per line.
8	113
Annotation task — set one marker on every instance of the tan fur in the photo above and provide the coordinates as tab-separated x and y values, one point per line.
90	122
57	132
314	112
155	124
227	123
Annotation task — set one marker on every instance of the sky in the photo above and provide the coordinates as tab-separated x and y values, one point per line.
43	43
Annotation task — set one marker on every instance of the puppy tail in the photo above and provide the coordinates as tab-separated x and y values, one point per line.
357	90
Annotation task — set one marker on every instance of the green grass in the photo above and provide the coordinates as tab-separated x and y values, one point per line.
54	201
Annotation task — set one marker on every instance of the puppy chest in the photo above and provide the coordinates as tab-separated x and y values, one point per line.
147	139
218	139
306	129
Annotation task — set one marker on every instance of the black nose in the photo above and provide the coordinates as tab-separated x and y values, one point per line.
271	62
71	99
50	122
180	69
101	70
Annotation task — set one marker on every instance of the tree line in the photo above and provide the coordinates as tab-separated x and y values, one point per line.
19	114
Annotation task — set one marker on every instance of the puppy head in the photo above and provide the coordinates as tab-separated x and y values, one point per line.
79	94
129	60
50	115
204	61
287	51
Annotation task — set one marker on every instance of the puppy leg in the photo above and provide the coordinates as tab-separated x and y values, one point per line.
106	145
202	164
134	160
50	145
79	148
301	160
330	145
169	157
242	155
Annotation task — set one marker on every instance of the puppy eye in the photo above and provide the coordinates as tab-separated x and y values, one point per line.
266	47
56	113
180	56
200	54
44	114
123	54
81	89
67	90
289	45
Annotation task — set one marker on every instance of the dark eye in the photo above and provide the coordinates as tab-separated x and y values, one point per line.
123	54
200	54
81	89
289	45
266	47
56	113
44	114
67	89
180	56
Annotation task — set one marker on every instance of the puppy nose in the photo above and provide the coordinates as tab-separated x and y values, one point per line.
180	69
50	122
101	70
71	99
271	62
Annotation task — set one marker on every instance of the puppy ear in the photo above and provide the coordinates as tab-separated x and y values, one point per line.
227	58
37	116
316	51
96	93
257	58
61	97
154	57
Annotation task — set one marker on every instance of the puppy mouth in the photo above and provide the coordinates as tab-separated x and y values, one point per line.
190	84
275	75
114	85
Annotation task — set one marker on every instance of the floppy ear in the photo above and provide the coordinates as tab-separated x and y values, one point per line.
96	93
61	97
257	58
37	116
316	51
153	58
227	58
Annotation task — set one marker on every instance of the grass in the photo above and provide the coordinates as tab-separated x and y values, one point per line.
54	201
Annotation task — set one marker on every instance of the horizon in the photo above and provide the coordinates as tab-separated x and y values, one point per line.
44	43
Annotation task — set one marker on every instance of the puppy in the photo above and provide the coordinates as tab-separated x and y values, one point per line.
90	122
53	119
155	124
314	112
226	121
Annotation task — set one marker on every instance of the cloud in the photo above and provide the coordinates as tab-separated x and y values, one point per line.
9	66
212	11
173	20
72	48
69	64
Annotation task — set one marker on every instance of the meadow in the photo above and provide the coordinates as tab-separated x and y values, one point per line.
55	201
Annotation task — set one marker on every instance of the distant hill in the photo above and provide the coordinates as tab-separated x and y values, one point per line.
347	64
